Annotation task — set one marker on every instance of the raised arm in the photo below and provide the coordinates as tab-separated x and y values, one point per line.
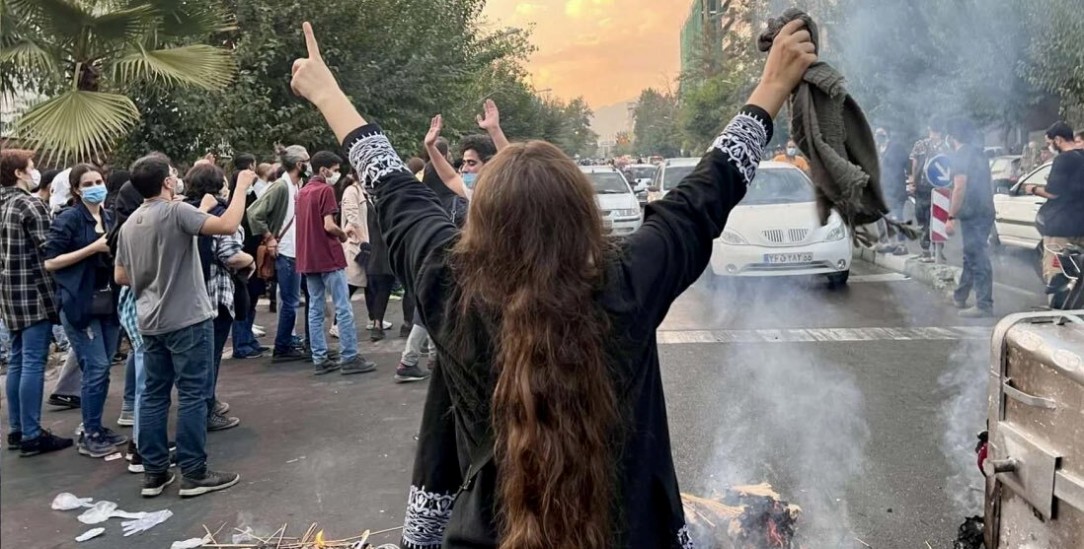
444	169
228	223
417	230
490	121
671	250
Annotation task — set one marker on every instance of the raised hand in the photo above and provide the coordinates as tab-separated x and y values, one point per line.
435	125
208	202
245	178
491	119
792	53
311	77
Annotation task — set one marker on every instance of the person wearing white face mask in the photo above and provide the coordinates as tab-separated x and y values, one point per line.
27	303
77	255
322	263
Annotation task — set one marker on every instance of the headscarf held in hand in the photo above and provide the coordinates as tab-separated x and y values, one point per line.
831	130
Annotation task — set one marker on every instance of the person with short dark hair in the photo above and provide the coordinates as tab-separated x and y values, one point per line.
158	256
973	208
415	164
1061	217
321	261
78	257
221	257
27	303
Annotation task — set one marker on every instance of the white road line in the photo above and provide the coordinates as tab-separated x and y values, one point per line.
931	333
1014	290
884	277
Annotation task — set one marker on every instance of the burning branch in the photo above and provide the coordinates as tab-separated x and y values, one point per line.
744	517
313	538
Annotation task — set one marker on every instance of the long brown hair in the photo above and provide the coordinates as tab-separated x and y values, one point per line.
531	258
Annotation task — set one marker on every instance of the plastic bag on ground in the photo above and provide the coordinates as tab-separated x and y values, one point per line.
67	502
191	543
150	520
98	513
92	533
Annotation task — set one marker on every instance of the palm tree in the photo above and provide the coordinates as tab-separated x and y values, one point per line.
85	54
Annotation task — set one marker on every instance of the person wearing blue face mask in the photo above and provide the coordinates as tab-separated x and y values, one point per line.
77	255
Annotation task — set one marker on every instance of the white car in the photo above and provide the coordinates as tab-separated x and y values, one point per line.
1014	221
776	231
620	211
669	174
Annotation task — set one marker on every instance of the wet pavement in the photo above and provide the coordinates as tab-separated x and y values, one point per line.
857	404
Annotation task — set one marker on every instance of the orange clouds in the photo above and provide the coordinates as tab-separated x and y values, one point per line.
604	50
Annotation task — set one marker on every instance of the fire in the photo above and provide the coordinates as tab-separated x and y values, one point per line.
774	537
743	517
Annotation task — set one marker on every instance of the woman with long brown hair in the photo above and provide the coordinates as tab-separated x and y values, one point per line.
545	424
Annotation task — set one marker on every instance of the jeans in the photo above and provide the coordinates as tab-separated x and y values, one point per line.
289	283
59	336
335	283
26	377
139	370
182	358
222	324
978	274
244	342
94	346
70	382
377	294
923	203
5	342
128	404
413	351
409	304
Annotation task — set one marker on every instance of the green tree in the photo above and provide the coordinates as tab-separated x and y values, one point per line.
86	56
656	128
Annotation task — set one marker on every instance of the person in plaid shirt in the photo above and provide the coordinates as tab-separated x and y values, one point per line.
27	305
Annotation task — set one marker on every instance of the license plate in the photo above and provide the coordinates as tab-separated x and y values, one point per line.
778	259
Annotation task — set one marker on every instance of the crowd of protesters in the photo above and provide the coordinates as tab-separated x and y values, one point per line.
93	256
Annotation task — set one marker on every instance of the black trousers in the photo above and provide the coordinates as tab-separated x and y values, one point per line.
923	202
222	325
377	294
408	308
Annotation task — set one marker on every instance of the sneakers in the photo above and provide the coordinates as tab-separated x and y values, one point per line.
976	312
257	354
386	325
210	481
376	334
404	330
219	422
221	408
258	331
135	460
901	250
959	304
155	483
65	401
113	437
126	419
290	355
44	443
95	445
325	367
334	331
407	374
358	365
15	439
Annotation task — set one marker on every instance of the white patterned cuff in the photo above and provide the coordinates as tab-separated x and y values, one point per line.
372	155
427	516
744	139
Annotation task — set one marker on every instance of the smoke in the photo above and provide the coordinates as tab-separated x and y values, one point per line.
964	416
794	406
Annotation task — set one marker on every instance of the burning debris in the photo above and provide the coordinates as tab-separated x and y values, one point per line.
744	517
313	538
970	534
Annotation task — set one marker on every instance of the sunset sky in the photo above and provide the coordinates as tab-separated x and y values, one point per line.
605	50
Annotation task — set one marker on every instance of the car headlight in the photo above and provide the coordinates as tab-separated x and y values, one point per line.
627	213
733	238
839	232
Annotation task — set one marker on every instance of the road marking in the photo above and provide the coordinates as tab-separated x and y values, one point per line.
805	335
1015	290
885	277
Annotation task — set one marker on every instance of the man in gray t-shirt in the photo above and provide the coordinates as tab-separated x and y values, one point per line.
158	256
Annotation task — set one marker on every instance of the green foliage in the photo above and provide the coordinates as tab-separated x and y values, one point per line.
400	61
656	130
86	55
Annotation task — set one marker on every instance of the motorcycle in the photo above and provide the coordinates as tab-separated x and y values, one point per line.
1065	288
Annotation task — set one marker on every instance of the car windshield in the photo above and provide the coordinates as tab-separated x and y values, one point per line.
642	173
778	186
608	183
674	175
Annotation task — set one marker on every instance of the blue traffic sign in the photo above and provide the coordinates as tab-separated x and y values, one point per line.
938	171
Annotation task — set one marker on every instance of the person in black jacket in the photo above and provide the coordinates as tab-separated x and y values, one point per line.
549	367
78	256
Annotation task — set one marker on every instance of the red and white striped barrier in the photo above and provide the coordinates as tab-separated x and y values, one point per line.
939	214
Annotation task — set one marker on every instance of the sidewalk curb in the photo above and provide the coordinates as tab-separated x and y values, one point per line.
939	277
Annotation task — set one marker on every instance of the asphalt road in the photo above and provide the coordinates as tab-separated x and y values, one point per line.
860	405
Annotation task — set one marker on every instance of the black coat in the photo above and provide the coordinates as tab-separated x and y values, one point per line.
654	266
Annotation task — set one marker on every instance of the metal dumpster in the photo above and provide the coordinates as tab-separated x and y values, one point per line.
1035	466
